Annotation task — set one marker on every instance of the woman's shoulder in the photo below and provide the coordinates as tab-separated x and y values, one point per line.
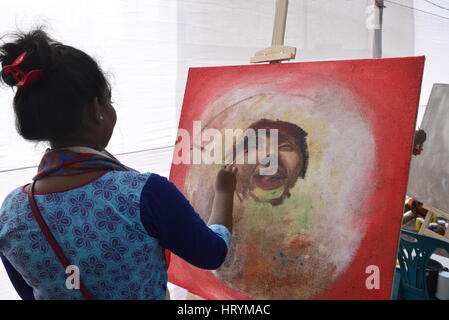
159	189
133	177
15	197
123	179
135	182
132	181
132	174
109	183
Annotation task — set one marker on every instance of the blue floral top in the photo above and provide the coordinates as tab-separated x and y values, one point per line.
113	229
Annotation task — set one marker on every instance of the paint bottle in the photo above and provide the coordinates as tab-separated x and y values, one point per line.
441	229
443	222
418	223
433	226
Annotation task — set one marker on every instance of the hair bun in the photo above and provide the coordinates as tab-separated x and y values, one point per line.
40	51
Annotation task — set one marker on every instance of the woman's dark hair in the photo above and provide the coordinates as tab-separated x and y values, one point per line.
51	108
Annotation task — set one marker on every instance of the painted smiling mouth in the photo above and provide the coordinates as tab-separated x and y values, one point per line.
270	182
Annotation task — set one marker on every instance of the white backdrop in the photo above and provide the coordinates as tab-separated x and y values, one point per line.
148	45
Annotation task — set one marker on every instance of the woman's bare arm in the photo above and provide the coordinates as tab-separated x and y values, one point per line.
223	203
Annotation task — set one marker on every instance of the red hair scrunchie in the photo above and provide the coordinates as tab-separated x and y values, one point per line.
23	79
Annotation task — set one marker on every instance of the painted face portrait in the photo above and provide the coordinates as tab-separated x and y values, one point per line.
292	237
291	157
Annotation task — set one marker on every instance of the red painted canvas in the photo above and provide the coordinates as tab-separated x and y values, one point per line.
325	224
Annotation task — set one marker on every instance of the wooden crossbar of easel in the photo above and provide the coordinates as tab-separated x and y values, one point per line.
277	52
429	217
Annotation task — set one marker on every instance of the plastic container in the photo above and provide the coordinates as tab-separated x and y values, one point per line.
433	269
442	291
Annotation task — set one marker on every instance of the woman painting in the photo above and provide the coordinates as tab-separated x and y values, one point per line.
108	221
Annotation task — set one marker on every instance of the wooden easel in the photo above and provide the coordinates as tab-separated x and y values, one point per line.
429	217
277	52
274	54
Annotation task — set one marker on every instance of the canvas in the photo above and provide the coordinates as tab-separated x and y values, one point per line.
325	224
429	173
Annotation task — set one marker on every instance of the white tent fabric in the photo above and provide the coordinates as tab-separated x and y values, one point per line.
431	39
148	45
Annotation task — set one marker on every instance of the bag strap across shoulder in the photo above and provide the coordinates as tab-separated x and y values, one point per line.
51	239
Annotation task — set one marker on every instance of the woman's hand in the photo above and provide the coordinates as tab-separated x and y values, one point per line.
223	203
226	180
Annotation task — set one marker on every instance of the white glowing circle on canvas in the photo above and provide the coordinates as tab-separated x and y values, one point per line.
299	248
